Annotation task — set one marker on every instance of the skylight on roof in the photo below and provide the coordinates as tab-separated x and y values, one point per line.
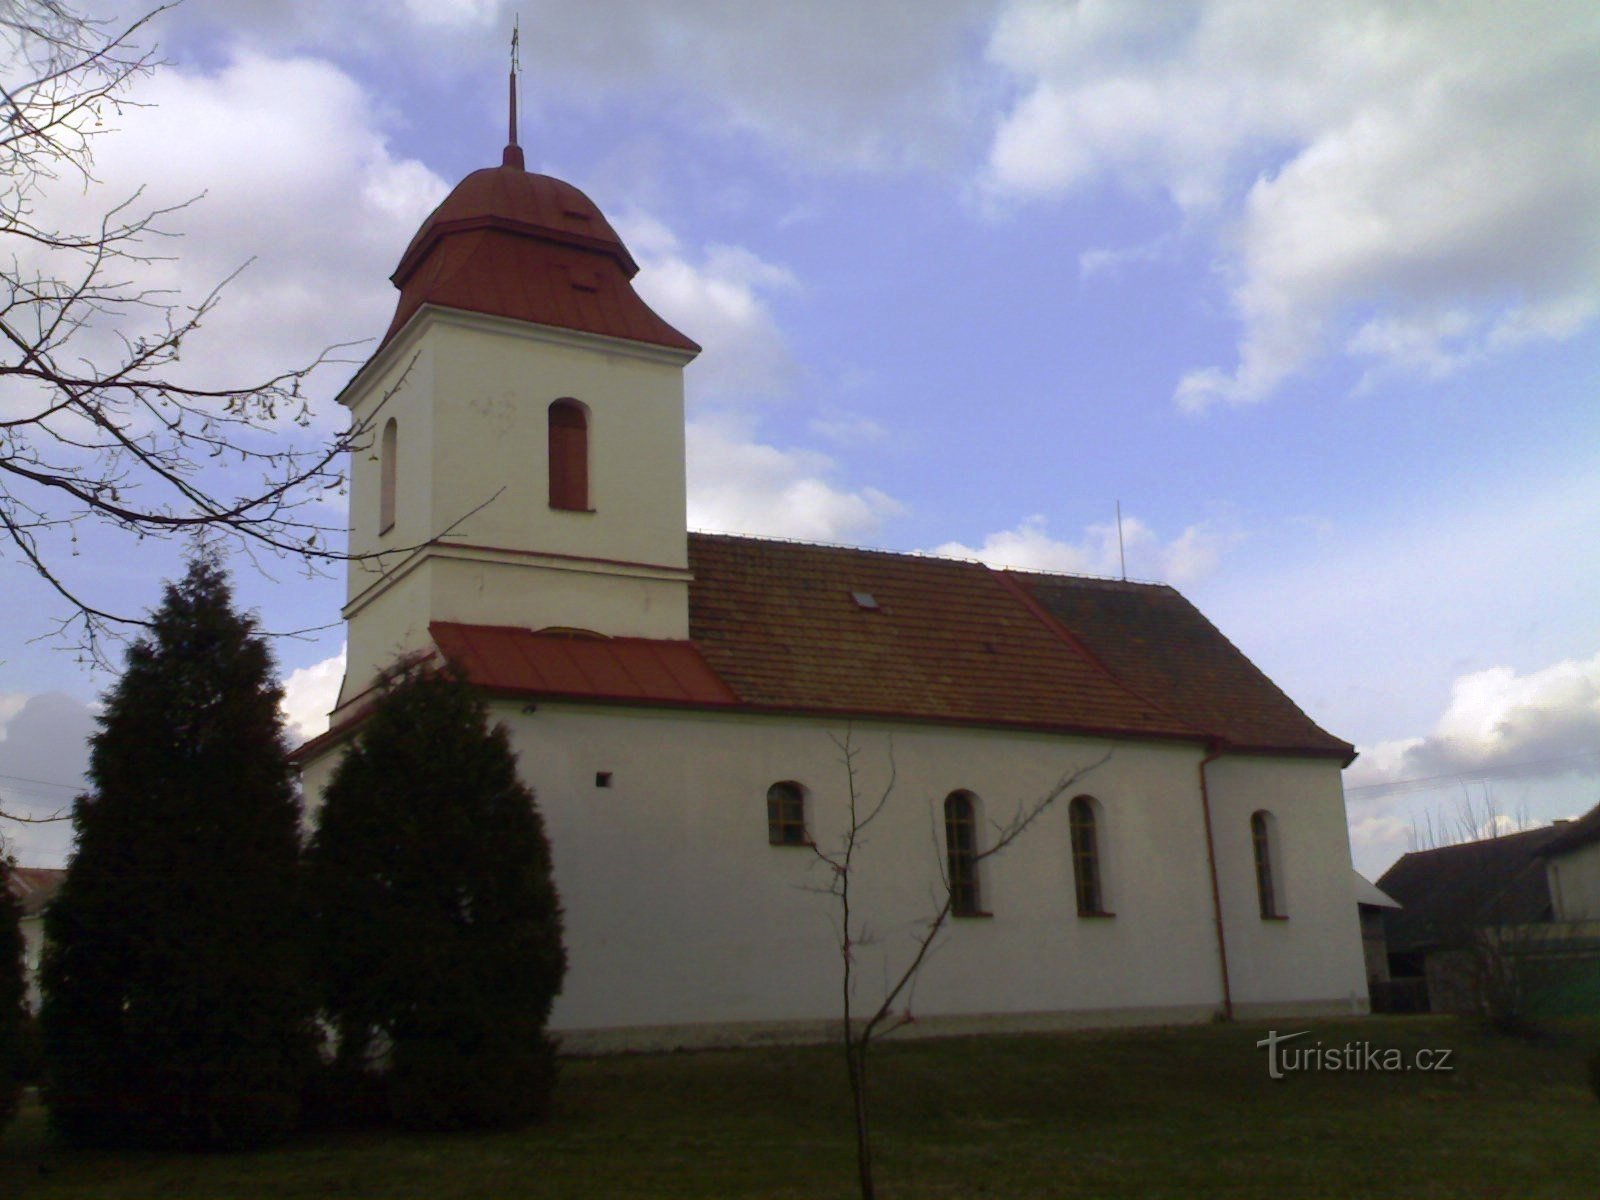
864	600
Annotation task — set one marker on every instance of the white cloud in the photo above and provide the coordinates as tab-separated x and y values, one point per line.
290	173
309	694
738	482
44	756
847	429
10	705
1425	174
1499	723
740	485
719	298
838	82
1190	556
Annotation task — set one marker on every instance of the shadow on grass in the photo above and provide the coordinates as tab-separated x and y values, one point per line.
1157	1113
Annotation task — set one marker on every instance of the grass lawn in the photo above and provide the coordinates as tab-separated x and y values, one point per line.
1161	1113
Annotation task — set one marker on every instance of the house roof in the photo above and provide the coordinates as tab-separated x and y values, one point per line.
513	243
35	886
1576	834
786	627
1370	895
1446	892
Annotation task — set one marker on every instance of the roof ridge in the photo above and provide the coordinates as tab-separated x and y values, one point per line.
928	556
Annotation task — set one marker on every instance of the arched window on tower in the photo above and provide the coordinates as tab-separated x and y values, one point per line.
388	465
569	456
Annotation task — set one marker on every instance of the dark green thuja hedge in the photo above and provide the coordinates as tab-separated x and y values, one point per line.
438	928
177	1003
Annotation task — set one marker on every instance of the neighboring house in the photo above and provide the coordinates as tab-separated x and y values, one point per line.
1479	928
1572	868
678	700
34	887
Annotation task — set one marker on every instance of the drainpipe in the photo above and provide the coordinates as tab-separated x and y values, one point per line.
1214	752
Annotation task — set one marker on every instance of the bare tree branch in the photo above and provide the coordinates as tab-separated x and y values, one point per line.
857	1036
102	427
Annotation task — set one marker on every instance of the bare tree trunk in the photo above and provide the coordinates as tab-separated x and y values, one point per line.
841	864
856	1055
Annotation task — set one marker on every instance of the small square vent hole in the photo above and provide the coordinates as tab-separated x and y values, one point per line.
602	779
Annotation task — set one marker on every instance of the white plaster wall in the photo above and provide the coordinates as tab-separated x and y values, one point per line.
1314	953
534	594
492	433
680	914
32	949
399	384
471	396
1575	884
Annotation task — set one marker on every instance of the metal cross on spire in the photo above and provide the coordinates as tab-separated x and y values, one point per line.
513	153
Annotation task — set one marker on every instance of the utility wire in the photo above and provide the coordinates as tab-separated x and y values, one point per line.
1425	782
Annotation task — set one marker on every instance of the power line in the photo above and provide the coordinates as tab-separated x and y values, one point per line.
71	787
1425	782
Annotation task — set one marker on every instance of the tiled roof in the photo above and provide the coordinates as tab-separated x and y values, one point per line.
794	628
511	243
35	886
1573	835
945	640
1162	646
1448	892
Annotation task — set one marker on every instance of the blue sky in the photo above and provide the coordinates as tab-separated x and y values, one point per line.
1313	290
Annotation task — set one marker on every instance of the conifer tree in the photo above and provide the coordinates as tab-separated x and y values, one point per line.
176	1004
11	993
438	924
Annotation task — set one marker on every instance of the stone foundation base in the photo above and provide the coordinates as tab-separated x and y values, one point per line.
646	1038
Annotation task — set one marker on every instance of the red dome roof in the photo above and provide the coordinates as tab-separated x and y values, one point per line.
511	243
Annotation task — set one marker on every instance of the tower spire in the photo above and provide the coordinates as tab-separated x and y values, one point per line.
513	152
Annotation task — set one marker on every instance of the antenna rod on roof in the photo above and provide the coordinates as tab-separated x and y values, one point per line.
513	154
1121	553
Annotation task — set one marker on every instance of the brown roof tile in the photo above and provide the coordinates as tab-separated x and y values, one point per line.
796	628
1163	647
511	243
948	640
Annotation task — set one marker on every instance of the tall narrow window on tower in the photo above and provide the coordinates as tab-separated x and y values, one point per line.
388	452
569	456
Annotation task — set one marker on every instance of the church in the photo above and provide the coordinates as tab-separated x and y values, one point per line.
683	704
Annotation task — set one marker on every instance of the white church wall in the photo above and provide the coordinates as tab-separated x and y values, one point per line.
1314	953
683	919
397	384
492	448
469	394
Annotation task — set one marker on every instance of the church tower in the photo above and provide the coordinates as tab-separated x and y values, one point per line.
525	459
